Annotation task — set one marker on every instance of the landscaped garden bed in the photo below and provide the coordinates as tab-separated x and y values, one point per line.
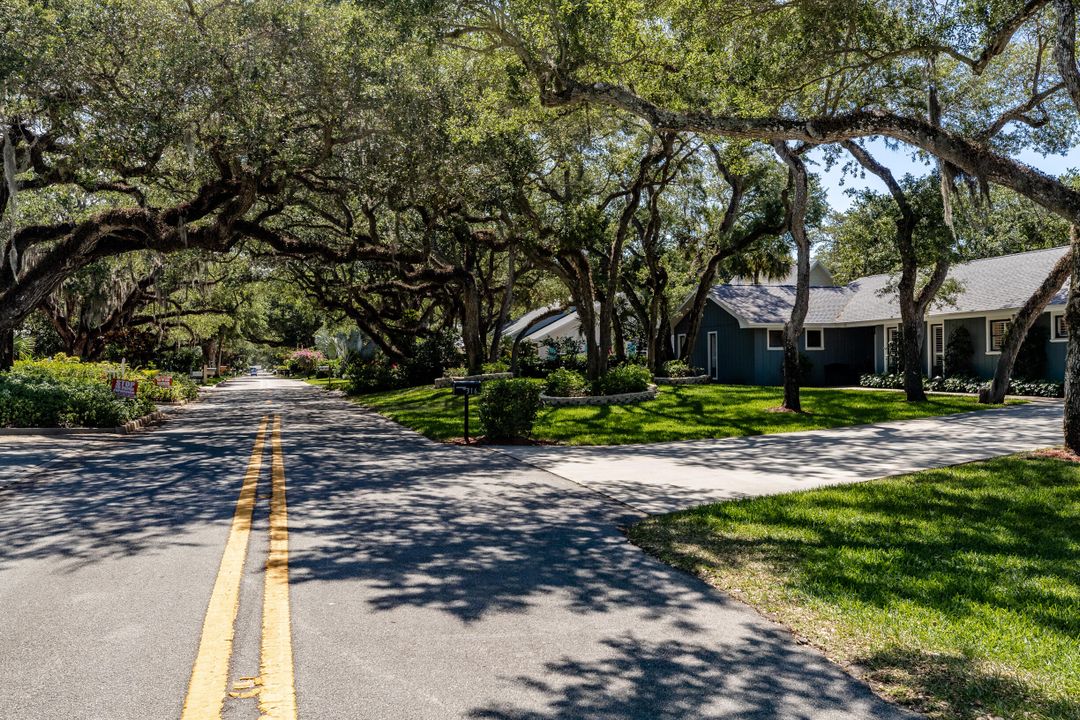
63	392
967	385
954	591
678	413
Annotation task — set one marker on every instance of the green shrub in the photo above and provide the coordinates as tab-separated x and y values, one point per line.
456	372
35	401
625	379
566	383
1031	359
677	369
372	375
1037	388
959	353
508	408
496	367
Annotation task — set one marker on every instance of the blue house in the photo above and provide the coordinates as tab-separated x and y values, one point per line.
849	328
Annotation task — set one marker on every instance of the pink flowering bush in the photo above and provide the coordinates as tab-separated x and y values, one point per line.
304	361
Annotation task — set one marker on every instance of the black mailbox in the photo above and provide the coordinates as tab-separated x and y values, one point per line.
466	387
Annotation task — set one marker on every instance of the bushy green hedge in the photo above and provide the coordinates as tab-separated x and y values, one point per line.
34	401
373	375
625	379
677	369
566	383
1030	388
508	408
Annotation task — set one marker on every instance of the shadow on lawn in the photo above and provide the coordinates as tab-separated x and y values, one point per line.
988	546
953	686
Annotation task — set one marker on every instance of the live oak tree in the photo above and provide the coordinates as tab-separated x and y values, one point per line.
822	73
183	123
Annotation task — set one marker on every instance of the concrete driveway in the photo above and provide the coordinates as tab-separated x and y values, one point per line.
665	477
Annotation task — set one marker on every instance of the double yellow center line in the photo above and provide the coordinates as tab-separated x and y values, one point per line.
210	674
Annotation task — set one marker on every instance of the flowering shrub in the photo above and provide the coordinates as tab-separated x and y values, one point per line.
304	361
1030	388
374	374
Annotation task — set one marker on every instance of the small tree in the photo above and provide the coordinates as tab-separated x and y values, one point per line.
1031	359
959	351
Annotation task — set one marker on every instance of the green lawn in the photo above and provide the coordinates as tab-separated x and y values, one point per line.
954	591
683	413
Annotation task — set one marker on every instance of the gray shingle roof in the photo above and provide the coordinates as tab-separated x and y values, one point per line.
1000	283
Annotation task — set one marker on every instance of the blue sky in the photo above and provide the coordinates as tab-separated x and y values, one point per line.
901	162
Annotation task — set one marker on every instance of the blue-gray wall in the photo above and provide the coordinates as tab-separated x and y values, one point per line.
744	357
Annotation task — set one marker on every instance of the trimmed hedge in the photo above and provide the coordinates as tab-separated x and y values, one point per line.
677	369
625	379
566	383
1029	388
508	408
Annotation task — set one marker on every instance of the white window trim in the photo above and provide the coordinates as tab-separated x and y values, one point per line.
1053	328
710	356
680	343
989	320
769	345
806	339
885	347
931	356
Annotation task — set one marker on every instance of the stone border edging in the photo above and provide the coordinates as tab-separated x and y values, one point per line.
445	382
125	429
600	400
691	380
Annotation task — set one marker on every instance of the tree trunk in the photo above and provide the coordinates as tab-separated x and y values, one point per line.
1072	358
619	337
1021	325
7	348
504	310
471	335
794	326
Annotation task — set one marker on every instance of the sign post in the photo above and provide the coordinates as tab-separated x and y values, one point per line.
466	388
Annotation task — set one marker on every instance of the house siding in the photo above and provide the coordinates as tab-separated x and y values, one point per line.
735	347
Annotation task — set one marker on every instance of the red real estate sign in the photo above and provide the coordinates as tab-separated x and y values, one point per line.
125	388
163	381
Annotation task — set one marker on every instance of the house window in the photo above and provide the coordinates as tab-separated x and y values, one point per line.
995	336
776	340
680	342
937	349
892	348
815	339
1060	328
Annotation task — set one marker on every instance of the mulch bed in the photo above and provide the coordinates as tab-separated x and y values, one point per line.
1057	454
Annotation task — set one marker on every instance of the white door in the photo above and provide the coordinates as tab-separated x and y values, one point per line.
713	356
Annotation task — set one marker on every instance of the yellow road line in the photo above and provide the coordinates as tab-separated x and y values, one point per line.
210	674
277	696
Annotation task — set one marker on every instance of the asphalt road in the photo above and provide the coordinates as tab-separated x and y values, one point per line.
422	581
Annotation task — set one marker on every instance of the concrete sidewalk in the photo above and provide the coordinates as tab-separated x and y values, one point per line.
665	477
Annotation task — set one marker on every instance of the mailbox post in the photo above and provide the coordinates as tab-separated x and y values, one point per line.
466	388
